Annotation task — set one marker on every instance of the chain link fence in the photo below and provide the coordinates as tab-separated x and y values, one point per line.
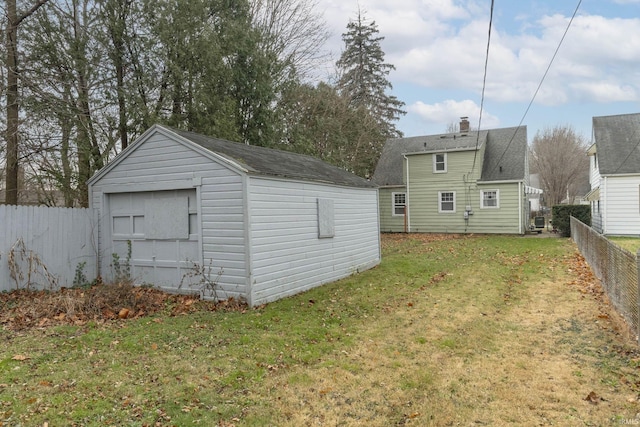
617	269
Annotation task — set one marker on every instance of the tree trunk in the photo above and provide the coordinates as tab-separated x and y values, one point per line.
11	196
13	106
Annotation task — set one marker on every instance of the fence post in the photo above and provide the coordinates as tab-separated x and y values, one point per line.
638	278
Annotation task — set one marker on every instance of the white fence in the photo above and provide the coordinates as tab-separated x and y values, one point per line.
46	248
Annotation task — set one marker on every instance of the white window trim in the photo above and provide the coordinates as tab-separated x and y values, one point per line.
440	202
482	206
393	202
435	156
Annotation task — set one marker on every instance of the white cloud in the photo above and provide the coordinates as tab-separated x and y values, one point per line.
605	92
595	48
440	45
450	111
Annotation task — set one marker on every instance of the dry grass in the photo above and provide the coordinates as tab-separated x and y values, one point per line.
527	356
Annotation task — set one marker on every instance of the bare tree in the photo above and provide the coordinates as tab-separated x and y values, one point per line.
559	155
293	31
13	105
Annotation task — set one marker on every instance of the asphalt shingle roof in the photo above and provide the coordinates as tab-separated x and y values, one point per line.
277	163
617	140
504	159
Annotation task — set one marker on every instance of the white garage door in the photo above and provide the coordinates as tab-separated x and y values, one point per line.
162	227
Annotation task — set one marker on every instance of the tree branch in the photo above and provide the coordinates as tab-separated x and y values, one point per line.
30	11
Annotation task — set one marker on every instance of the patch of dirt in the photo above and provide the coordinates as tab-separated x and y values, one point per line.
23	309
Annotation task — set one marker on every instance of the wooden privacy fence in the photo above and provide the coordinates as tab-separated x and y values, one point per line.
617	269
46	248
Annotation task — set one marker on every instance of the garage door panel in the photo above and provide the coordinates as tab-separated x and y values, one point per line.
158	257
188	252
166	251
142	250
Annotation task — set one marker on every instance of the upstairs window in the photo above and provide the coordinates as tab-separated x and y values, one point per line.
399	203
447	201
440	163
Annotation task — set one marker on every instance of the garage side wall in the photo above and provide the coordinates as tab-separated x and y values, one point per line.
158	166
304	235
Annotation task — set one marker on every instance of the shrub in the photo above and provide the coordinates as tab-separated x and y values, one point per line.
562	217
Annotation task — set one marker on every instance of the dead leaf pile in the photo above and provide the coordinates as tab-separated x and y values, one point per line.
23	309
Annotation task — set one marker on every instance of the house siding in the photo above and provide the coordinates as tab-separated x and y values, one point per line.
425	187
505	218
390	223
287	256
158	163
620	197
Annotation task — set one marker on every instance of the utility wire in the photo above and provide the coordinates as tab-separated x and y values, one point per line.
575	12
484	85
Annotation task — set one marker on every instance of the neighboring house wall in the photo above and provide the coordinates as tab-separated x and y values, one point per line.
161	164
614	175
426	187
594	195
287	254
390	221
620	196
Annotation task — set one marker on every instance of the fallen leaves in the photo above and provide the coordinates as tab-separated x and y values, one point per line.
20	357
593	398
24	309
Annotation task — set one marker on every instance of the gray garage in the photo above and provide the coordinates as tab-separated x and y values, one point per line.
264	224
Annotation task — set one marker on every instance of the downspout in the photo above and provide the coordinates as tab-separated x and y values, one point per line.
520	219
603	204
407	204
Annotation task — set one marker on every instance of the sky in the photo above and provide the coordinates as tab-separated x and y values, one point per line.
438	48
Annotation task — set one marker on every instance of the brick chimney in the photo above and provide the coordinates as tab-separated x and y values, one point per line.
464	124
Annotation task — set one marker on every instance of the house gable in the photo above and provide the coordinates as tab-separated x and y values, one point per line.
618	144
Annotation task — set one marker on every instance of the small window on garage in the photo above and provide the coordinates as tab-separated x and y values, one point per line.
122	225
326	228
166	218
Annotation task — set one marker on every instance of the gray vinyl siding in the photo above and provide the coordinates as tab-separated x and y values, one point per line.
425	187
389	223
160	162
287	256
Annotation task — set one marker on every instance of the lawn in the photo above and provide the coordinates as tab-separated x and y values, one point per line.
448	330
632	244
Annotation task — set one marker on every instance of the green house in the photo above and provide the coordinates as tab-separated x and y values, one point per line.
463	182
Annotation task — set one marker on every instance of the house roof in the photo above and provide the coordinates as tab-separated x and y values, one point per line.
504	159
618	143
277	163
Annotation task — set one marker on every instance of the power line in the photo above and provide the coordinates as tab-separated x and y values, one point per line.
575	12
484	85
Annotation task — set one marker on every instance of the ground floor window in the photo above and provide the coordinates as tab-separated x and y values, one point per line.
447	201
489	199
399	203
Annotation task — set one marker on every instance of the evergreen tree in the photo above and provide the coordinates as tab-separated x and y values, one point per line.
320	122
363	75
